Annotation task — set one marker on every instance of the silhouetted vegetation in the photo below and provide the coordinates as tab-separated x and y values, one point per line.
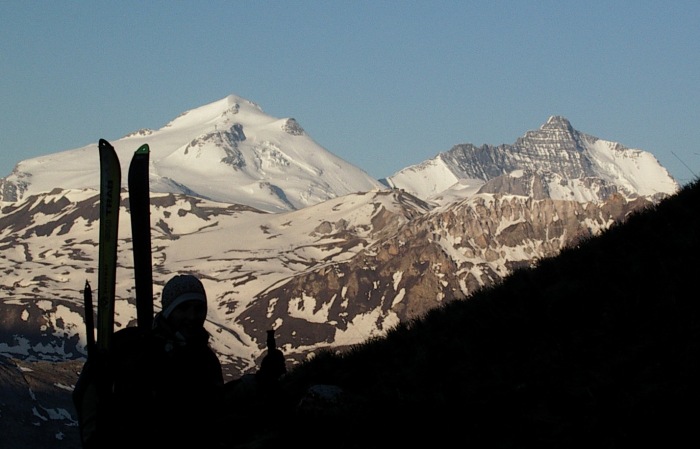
597	348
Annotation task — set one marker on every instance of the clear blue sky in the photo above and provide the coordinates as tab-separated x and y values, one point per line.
382	84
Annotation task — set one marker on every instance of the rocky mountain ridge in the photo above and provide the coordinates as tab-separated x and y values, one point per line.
555	161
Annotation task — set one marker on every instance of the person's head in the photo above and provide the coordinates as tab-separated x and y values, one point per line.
184	304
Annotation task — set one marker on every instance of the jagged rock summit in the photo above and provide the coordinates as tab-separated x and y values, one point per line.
555	161
228	151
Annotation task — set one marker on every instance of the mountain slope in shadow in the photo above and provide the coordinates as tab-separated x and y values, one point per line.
596	347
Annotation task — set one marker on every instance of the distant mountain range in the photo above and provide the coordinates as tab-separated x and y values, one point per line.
286	235
230	151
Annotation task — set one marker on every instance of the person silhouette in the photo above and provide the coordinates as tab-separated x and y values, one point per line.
165	383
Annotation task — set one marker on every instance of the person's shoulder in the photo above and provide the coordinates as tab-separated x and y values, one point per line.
130	338
130	333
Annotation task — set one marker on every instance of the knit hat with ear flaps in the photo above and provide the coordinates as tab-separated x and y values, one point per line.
181	288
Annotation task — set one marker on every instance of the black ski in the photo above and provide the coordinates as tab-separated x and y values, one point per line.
92	393
110	188
139	205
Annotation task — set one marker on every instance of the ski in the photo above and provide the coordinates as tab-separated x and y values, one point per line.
92	393
139	206
110	187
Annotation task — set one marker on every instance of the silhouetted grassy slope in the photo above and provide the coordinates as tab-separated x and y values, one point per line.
597	347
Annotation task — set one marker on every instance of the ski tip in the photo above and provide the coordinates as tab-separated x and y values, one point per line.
105	144
143	149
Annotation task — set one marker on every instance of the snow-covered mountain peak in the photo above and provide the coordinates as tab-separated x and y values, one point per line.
555	134
228	151
565	163
221	111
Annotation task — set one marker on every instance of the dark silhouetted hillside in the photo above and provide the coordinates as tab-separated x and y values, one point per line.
596	348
